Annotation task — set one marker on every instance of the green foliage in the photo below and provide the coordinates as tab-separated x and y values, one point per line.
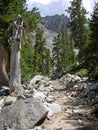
47	69
41	62
82	72
8	10
78	27
63	55
31	20
33	61
27	54
92	49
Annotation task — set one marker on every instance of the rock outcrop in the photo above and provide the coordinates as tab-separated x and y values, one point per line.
54	23
24	114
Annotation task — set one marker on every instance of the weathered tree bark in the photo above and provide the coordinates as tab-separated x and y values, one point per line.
15	69
4	66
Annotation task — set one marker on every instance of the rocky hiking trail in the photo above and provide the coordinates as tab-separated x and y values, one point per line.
69	103
72	116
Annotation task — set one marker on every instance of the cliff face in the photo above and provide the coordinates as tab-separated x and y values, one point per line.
54	23
52	26
49	36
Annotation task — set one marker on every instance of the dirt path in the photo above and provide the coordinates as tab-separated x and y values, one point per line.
72	117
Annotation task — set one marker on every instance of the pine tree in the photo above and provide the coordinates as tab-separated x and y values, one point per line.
92	56
38	56
77	25
31	21
47	57
41	54
27	53
56	54
63	54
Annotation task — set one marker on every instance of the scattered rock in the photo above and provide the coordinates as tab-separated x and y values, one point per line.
36	103
40	80
50	99
68	78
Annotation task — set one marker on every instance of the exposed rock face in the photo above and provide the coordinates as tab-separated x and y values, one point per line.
23	114
49	36
54	23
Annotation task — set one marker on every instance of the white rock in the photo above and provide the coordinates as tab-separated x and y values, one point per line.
77	78
56	108
36	79
39	81
39	95
75	87
1	104
50	112
38	128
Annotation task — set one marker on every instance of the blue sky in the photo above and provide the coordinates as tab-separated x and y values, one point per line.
52	7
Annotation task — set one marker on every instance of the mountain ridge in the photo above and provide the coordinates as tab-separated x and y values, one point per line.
55	22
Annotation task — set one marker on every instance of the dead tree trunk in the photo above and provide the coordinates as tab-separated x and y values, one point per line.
15	69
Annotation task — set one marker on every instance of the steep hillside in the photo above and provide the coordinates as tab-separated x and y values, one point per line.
49	36
52	26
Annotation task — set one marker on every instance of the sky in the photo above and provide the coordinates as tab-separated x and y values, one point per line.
52	7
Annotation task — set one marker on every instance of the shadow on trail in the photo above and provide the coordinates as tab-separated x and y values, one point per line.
81	107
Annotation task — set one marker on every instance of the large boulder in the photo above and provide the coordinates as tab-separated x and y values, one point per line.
23	114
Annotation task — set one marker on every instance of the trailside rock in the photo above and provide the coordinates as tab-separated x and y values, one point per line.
23	114
68	78
38	81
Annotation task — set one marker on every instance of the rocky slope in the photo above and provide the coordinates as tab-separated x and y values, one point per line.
49	36
52	26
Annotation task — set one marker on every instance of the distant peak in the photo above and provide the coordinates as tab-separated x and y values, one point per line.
54	22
